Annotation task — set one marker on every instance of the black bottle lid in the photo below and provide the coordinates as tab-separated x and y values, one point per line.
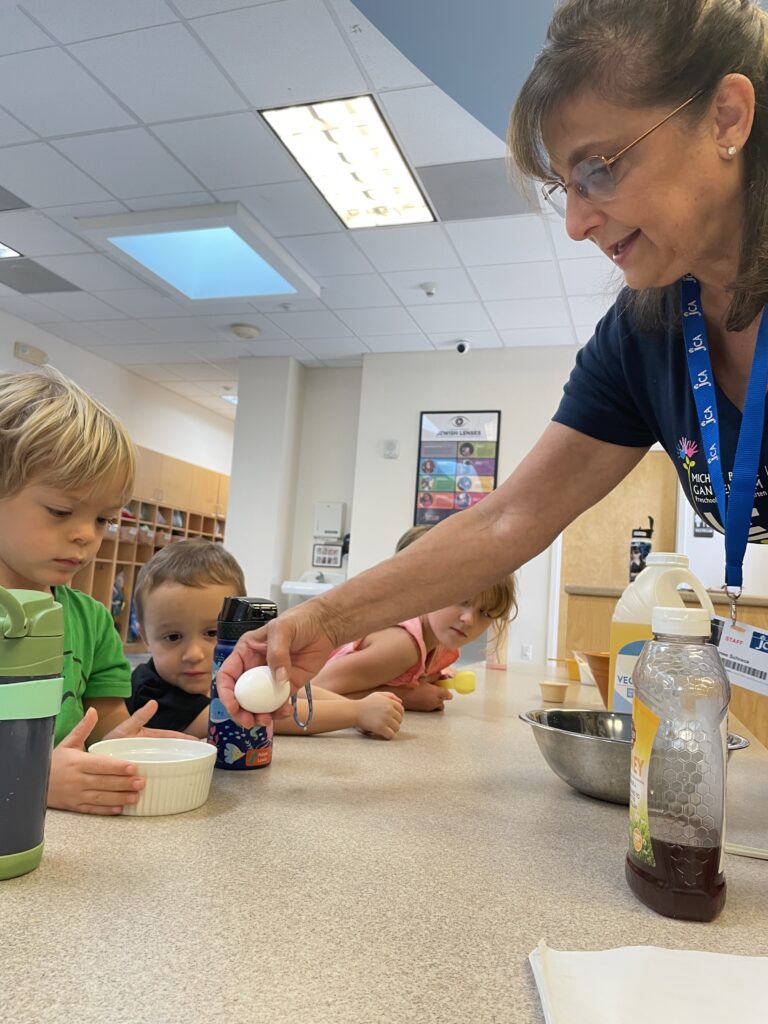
241	614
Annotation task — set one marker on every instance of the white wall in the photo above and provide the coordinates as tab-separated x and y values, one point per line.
155	417
525	384
707	555
331	408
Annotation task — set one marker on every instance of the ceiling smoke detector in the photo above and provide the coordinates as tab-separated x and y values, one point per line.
246	331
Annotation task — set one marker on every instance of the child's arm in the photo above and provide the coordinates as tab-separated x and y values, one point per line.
383	656
379	714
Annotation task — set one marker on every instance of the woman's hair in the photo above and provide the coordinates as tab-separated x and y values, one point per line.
192	563
411	535
658	53
52	430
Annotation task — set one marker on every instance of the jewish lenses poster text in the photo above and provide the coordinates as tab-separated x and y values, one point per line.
458	458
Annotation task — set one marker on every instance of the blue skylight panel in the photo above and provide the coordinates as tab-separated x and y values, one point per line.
208	263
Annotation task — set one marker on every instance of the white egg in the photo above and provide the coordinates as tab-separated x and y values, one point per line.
258	692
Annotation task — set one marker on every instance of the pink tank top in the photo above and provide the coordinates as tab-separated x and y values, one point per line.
425	664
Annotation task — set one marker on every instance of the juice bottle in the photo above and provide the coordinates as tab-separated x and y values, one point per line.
677	783
631	623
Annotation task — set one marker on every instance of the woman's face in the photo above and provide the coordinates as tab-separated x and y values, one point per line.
677	205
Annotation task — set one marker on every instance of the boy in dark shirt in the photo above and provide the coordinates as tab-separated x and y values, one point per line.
178	596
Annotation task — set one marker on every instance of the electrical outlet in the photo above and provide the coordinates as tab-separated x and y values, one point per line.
526	652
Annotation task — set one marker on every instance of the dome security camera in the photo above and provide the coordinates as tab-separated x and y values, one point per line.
462	347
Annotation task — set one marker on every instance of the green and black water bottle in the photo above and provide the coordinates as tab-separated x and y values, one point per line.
31	662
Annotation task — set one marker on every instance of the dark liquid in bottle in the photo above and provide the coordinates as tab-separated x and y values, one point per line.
685	883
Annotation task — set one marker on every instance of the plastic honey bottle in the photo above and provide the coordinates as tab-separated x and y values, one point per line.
677	784
655	586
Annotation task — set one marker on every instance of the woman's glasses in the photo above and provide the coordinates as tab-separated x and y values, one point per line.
593	179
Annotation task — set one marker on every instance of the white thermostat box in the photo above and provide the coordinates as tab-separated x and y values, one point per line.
329	519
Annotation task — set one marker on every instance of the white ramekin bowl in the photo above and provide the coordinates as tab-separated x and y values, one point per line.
178	772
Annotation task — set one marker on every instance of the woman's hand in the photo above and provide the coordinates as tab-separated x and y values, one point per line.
295	645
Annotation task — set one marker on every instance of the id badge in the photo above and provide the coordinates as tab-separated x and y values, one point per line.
744	653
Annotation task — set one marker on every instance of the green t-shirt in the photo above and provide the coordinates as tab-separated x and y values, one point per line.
94	663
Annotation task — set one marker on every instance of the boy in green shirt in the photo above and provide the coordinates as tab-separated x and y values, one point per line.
66	469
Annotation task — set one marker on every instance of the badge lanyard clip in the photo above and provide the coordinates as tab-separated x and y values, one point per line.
736	508
295	706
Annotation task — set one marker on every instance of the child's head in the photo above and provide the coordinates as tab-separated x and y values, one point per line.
178	597
66	467
460	624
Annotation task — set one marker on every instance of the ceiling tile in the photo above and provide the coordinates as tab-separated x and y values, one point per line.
389	320
184	387
517	313
32	234
30	278
588	309
86	19
290	208
67	216
140	302
516	281
202	369
407	248
280	53
80	105
210	307
129	332
31	311
12	132
18	32
450	286
355	291
77	334
156	373
476	339
216	405
400	343
196	8
591	276
504	240
141	203
335	348
537	337
79	306
222	324
323	255
182	328
92	272
336	364
287	347
278	305
434	129
42	177
451	316
565	247
128	163
310	325
185	82
384	64
472	189
230	151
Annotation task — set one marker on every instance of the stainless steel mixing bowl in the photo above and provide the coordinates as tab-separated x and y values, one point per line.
590	750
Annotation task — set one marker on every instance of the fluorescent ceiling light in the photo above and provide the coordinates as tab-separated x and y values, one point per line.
348	152
232	399
202	252
7	253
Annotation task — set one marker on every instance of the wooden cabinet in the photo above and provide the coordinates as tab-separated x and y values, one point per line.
173	501
223	495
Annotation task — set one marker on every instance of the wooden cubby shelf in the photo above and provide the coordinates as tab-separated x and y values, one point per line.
174	501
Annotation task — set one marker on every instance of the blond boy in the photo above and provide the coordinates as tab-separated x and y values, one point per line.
66	469
178	596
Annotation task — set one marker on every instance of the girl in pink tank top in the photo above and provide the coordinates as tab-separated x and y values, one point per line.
410	658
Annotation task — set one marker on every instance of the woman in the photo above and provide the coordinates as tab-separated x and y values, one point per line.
647	123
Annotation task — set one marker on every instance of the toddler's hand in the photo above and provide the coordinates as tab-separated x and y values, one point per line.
136	725
425	697
380	714
86	782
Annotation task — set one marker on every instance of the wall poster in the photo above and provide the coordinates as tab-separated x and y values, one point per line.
458	459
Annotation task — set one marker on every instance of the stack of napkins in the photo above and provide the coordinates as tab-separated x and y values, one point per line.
647	983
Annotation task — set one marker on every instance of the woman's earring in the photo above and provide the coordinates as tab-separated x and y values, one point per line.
731	151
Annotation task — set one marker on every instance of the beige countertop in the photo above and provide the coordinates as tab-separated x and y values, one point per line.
717	596
354	882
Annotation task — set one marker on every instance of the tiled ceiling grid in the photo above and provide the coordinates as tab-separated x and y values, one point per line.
111	107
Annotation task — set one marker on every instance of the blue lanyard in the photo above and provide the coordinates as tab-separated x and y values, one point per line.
736	509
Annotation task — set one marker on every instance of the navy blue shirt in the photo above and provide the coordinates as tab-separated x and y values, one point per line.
631	387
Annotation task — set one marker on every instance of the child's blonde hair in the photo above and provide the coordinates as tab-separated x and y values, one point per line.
192	563
51	428
411	535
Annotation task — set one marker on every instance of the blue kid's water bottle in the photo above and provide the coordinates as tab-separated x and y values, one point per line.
238	749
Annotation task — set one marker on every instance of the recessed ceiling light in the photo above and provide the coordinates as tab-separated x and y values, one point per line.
232	399
348	152
7	253
202	252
